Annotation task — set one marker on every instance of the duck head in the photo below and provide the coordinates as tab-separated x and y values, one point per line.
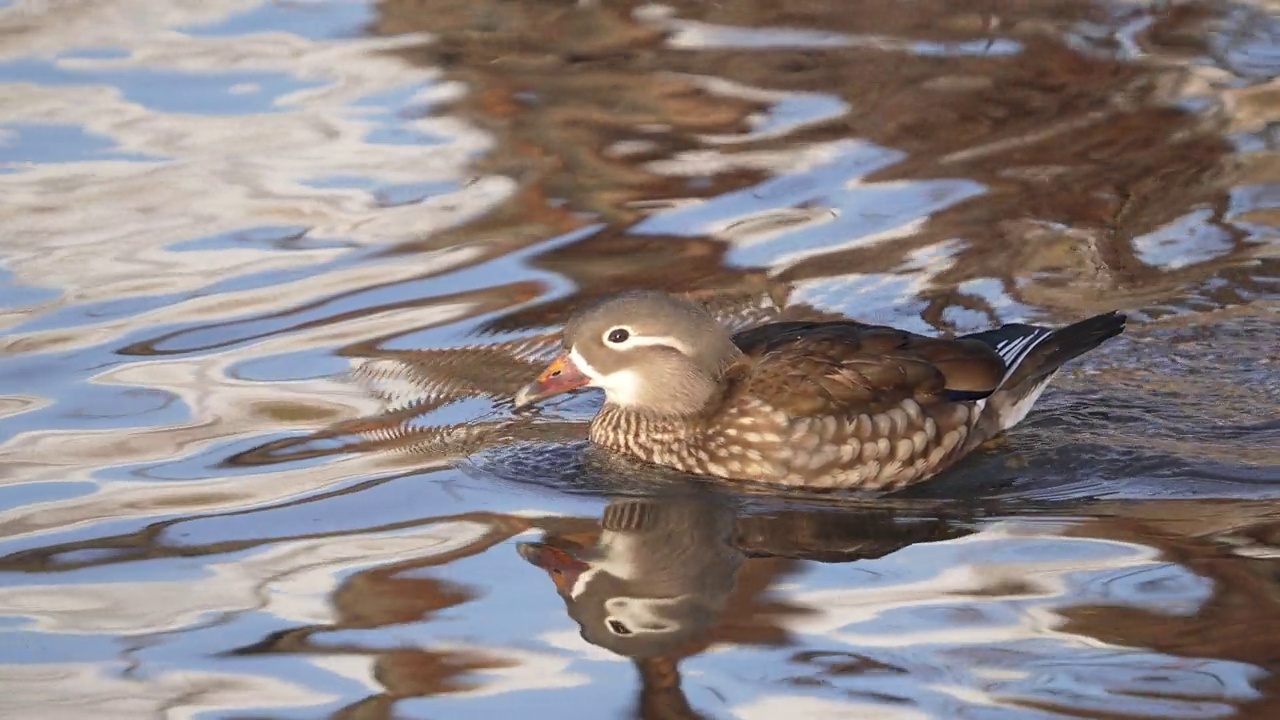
649	351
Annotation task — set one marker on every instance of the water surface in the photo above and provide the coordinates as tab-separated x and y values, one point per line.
271	271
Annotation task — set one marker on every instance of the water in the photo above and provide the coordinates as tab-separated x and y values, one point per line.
270	272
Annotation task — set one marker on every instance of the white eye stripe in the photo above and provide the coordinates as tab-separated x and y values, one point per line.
636	340
659	341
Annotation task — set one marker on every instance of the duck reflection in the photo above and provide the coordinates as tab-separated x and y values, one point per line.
654	581
669	576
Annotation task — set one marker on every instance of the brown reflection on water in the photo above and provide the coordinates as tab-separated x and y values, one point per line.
1035	159
395	594
704	573
665	580
684	576
1079	147
1236	546
701	575
1106	181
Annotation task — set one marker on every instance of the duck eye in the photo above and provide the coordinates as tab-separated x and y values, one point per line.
618	335
618	628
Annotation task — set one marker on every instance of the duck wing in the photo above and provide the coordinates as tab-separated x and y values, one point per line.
844	367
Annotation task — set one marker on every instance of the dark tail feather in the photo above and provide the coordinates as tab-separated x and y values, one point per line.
1062	346
1033	355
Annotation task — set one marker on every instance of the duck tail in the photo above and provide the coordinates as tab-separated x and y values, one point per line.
1033	355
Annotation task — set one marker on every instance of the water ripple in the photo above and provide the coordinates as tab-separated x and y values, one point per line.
271	272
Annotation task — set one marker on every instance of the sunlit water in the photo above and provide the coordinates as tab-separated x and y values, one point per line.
270	272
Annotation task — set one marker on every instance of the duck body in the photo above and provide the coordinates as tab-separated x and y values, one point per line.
815	404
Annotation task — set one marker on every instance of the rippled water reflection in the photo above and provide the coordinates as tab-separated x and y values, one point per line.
270	272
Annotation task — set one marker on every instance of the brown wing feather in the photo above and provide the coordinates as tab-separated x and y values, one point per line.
969	365
847	367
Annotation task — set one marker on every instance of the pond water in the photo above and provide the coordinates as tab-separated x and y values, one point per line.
270	273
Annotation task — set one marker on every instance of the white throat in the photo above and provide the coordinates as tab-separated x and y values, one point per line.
620	388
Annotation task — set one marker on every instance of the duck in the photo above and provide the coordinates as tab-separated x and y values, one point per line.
830	404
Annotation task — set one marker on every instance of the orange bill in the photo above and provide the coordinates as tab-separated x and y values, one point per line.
563	568
561	376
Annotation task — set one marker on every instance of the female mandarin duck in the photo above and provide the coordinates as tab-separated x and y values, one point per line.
814	404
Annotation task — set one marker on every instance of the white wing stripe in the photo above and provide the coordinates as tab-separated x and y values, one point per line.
1009	348
1019	349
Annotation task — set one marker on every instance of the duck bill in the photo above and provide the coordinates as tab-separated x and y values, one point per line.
563	568
560	377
